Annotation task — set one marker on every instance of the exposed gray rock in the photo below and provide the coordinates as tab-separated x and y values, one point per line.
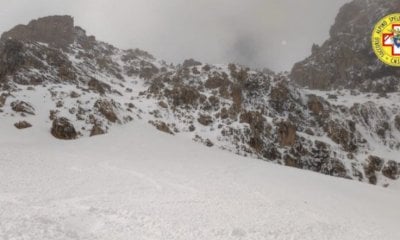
161	126
286	134
62	128
391	170
205	120
107	108
397	122
190	63
3	98
22	125
54	30
97	130
98	86
22	107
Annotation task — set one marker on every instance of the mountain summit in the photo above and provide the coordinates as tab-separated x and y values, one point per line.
58	31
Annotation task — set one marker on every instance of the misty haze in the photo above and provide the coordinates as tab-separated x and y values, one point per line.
199	119
258	33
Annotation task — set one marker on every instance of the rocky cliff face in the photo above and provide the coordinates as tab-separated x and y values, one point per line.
346	59
57	31
82	87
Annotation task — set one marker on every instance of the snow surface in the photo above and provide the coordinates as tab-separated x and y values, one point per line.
139	183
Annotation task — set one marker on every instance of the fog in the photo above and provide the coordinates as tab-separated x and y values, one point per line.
257	33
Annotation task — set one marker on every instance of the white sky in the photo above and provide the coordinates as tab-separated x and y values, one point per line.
258	33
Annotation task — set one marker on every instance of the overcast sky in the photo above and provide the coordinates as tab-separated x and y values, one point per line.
257	33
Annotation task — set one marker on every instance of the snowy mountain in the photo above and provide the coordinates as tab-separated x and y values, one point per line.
55	78
98	142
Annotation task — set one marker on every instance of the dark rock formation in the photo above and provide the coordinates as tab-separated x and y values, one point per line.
3	98
183	96
254	119
334	167
217	80
97	130
74	94
279	96
11	58
209	143
22	125
22	107
291	161
205	120
286	134
190	63
63	129
391	170
99	87
315	105
397	122
163	104
372	165
57	31
106	108
161	126
341	134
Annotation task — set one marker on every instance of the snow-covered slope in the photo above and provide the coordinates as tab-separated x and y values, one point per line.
78	87
139	183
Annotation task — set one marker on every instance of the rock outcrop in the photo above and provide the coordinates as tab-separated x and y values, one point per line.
397	122
63	129
107	108
11	52
58	31
286	134
97	130
3	98
372	166
22	107
22	125
391	170
162	126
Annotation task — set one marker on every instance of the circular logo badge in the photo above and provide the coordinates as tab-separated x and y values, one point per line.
386	40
